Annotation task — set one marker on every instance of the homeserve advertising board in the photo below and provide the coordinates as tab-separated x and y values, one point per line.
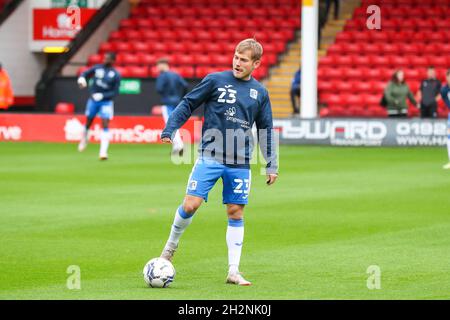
363	132
70	128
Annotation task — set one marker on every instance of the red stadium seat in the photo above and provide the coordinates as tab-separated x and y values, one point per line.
390	49
372	100
361	37
127	24
413	112
176	47
65	108
361	86
324	112
338	111
419	62
186	72
149	35
183	59
380	61
270	59
213	48
344	37
327	61
201	72
160	47
352	73
95	59
378	86
325	86
122	46
221	60
137	71
116	36
361	61
344	61
146	58
355	111
202	59
399	62
336	49
127	58
168	35
343	86
377	112
355	100
106	47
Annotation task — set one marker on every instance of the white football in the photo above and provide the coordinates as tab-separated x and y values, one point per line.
159	273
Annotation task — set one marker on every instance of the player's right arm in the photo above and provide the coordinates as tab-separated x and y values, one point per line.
82	79
264	125
183	111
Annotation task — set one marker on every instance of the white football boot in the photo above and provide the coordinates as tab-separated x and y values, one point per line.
237	278
83	144
169	251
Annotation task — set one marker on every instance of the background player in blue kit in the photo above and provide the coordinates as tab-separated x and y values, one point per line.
172	87
445	92
104	87
233	100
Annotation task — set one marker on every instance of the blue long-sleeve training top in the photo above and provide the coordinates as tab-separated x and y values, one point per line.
445	93
231	107
172	87
106	80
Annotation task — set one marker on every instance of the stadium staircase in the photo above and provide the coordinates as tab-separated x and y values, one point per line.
198	36
279	81
358	65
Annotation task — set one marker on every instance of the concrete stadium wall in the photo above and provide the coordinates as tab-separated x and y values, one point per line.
23	66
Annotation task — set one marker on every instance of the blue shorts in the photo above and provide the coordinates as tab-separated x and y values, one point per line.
105	109
206	172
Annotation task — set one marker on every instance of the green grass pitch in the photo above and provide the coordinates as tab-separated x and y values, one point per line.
333	213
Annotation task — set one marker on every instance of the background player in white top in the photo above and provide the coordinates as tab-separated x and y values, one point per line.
102	90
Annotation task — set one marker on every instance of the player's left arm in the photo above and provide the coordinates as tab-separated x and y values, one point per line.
266	137
110	94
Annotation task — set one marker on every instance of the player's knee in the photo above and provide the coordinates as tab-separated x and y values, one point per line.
190	205
235	211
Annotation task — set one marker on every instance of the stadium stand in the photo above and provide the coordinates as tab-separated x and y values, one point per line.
353	74
198	36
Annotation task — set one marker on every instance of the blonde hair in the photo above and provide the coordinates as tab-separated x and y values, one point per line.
251	44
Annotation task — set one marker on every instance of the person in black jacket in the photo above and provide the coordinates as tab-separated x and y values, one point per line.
429	94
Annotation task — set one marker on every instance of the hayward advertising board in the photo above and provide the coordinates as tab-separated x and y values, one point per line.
363	132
